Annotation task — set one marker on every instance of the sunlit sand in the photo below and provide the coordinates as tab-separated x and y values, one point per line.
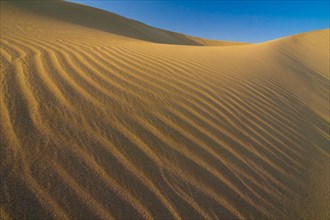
104	117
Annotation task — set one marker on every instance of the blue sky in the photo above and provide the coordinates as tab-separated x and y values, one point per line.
247	21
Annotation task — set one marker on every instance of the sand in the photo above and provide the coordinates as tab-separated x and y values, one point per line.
103	117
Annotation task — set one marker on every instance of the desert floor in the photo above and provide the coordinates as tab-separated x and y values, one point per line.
104	117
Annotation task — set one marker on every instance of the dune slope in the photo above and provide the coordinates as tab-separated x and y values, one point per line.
103	21
98	124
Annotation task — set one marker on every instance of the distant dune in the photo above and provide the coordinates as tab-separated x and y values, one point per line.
65	12
103	117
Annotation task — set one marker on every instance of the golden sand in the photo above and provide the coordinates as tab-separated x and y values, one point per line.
104	117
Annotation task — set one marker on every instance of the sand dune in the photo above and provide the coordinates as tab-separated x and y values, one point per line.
116	119
103	21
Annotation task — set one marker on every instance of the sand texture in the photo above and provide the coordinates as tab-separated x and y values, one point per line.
103	117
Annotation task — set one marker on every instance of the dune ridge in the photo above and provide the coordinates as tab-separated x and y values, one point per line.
104	123
104	21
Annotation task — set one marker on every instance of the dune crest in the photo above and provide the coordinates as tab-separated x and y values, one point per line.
107	123
103	21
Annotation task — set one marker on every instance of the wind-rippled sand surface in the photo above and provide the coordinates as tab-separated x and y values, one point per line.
109	118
